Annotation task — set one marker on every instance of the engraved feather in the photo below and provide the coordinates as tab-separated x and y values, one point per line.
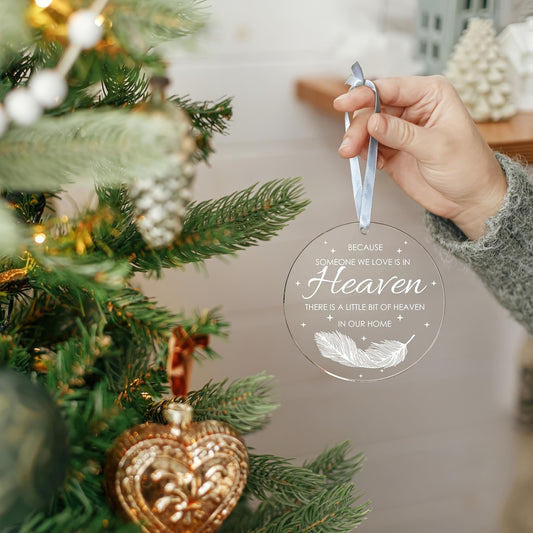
342	349
338	347
387	353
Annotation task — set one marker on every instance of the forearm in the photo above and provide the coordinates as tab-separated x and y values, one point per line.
503	257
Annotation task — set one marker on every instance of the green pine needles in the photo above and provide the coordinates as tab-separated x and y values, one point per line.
316	497
71	316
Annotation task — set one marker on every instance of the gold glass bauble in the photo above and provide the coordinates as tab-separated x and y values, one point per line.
182	477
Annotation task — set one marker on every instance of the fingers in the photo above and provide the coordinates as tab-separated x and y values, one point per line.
355	99
396	92
411	90
390	131
402	135
356	138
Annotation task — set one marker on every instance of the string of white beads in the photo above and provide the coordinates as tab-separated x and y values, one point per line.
83	29
48	88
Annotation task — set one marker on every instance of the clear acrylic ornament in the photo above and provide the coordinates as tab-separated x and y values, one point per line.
364	306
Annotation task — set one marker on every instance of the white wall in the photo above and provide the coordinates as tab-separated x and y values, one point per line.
437	437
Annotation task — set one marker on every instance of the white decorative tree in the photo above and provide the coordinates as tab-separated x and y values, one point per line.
479	71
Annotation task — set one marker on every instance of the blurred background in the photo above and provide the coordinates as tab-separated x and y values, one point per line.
440	439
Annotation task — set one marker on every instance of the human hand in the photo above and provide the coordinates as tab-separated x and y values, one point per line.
430	146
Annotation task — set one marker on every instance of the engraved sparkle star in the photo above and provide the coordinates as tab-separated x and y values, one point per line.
400	317
363	338
399	250
303	324
330	318
333	250
426	324
433	283
297	283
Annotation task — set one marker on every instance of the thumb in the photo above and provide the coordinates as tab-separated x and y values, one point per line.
399	134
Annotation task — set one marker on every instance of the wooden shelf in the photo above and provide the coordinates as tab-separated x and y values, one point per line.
513	137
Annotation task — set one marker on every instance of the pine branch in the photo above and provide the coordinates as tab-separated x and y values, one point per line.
139	26
208	118
17	71
72	362
10	235
29	207
334	464
40	322
241	515
241	219
284	490
332	510
21	62
207	322
14	31
75	520
139	391
140	317
109	145
94	421
275	480
78	274
139	330
135	366
123	86
215	227
14	355
229	224
245	404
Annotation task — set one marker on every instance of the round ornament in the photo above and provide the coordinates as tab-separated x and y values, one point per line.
183	477
49	88
33	448
364	306
21	107
83	28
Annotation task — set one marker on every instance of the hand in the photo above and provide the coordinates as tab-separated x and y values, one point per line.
430	147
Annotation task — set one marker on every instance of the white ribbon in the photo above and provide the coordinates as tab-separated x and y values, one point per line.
363	191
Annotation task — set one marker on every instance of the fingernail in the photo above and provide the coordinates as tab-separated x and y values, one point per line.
339	99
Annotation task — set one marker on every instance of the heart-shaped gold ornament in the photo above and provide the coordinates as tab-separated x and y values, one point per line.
182	478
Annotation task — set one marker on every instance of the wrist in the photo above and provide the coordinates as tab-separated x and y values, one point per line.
473	220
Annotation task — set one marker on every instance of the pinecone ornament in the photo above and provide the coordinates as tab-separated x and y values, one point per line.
160	201
478	70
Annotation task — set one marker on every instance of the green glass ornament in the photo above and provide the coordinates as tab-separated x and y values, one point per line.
33	447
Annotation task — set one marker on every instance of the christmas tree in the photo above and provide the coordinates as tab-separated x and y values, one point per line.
94	375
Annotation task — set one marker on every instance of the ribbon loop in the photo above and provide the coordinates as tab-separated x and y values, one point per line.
363	191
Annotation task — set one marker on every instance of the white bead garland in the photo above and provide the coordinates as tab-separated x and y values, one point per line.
48	88
83	29
21	107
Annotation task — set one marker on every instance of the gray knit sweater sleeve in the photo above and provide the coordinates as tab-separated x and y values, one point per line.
503	257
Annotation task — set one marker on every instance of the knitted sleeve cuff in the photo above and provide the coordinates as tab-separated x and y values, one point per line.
503	257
